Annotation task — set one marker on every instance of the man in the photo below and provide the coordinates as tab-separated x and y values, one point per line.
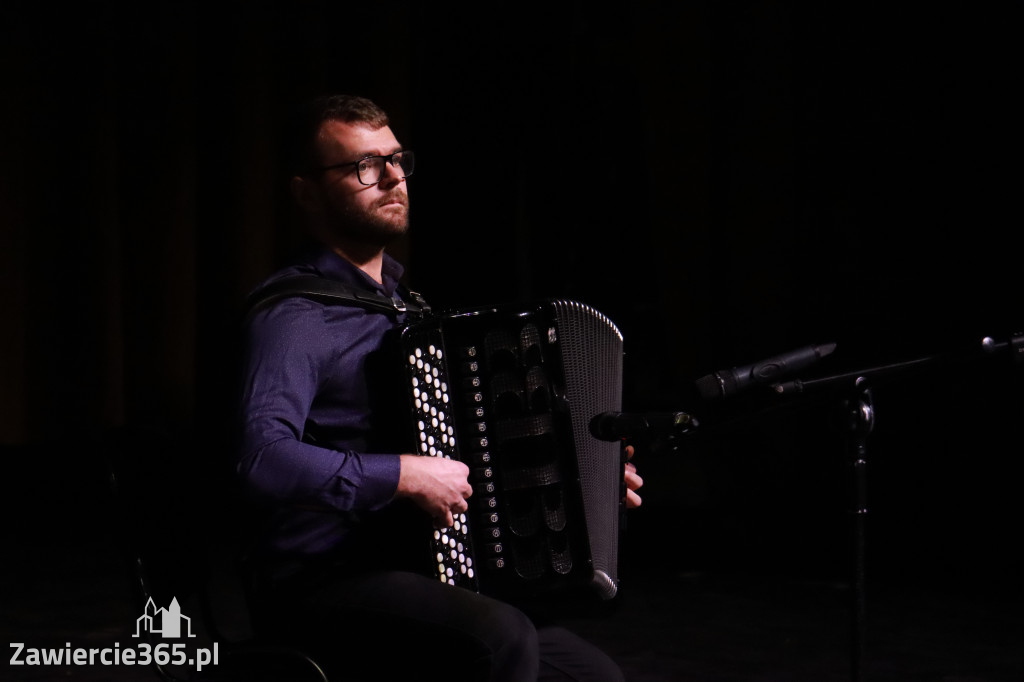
330	565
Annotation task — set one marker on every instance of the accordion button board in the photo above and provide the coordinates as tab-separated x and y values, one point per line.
510	392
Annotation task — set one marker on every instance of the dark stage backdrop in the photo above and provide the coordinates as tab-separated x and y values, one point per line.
726	181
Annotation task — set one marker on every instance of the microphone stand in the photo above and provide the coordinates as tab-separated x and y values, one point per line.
857	421
860	422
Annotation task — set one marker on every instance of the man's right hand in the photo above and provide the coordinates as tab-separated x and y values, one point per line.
437	485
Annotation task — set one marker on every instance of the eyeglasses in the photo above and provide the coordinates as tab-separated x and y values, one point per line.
370	169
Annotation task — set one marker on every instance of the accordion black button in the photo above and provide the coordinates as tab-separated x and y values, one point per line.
491	518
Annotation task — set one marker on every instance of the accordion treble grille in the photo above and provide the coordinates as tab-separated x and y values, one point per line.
592	356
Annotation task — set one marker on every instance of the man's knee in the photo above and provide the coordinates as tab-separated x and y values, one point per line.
512	641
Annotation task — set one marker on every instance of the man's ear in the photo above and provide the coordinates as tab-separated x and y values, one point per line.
304	192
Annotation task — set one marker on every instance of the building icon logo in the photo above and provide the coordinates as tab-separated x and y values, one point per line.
165	622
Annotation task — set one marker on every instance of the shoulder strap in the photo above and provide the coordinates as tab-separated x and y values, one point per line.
331	291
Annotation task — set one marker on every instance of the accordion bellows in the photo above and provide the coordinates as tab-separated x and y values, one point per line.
511	391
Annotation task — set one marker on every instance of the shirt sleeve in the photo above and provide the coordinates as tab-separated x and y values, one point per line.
287	355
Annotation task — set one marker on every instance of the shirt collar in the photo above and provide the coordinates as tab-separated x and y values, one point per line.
329	264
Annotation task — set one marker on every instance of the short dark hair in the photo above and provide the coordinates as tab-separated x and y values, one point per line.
302	143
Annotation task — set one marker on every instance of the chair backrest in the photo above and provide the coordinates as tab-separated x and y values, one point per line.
157	512
178	519
157	519
174	520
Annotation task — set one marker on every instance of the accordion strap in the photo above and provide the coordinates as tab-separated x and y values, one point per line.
331	291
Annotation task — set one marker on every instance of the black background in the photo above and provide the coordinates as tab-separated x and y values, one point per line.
726	181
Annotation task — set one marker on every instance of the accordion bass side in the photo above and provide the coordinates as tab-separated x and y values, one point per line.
510	391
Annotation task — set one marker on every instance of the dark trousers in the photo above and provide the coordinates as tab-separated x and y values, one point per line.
395	625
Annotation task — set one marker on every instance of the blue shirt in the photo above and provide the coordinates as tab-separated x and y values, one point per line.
307	417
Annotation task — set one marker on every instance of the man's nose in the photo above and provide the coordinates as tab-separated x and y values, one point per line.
392	174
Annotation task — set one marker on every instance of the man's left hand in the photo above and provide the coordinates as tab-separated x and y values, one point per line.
633	481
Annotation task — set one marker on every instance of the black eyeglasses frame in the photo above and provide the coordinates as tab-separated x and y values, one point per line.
389	158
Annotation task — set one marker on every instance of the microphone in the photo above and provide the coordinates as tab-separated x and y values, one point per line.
728	382
614	426
1014	346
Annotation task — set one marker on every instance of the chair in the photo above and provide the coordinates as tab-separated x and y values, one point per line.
179	557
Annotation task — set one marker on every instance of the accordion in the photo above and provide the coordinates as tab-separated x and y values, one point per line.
510	391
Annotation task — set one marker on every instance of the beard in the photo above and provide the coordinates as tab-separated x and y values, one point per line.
374	226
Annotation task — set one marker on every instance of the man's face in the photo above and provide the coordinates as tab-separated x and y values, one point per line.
369	214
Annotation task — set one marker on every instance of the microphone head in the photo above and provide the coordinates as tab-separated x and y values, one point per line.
603	426
711	387
726	383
